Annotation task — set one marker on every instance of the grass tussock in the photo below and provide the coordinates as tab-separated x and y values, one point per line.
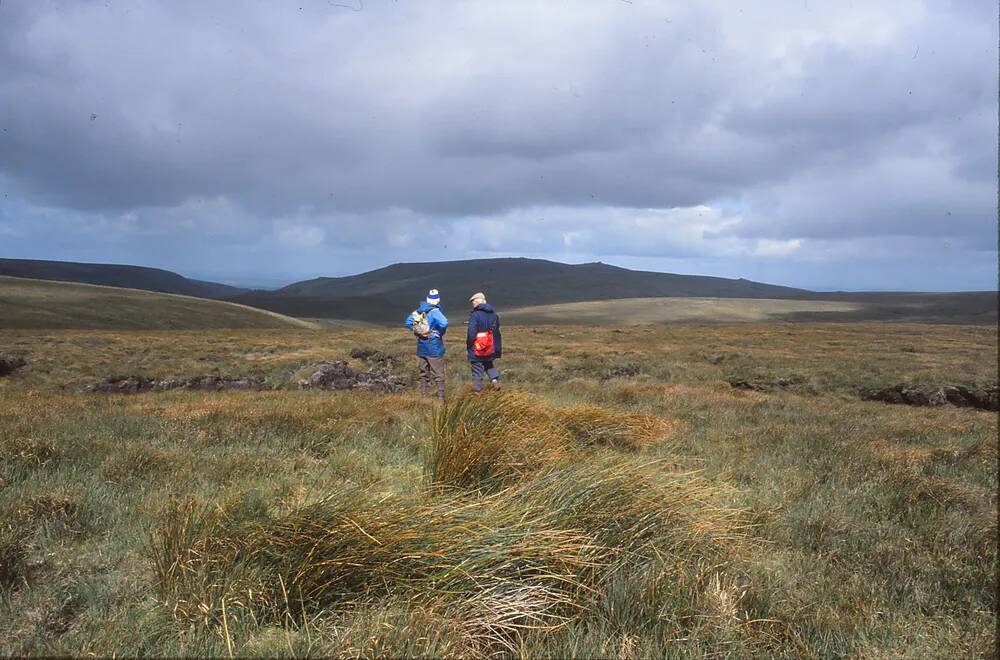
528	558
14	538
26	452
492	440
592	425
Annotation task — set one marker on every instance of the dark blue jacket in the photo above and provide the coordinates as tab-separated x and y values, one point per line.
433	346
484	318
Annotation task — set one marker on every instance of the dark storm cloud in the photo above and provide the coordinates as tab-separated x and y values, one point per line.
185	130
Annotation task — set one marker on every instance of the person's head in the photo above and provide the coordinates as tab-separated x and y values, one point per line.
477	299
433	297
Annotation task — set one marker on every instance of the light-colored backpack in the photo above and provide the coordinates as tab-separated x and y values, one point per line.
421	324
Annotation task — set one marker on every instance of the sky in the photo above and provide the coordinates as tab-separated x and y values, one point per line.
828	145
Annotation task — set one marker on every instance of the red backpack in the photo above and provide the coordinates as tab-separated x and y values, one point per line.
483	344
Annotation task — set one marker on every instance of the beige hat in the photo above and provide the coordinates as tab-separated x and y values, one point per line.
479	295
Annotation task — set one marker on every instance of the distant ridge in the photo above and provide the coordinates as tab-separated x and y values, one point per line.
378	296
512	283
129	277
509	282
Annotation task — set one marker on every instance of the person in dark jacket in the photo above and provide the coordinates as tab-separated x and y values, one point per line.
483	319
430	349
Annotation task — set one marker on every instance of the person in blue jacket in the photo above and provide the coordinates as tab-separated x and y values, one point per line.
483	319
430	348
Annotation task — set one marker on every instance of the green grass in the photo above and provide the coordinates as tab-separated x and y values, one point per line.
913	308
625	501
637	311
37	304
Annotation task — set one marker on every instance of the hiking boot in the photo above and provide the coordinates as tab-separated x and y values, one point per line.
496	385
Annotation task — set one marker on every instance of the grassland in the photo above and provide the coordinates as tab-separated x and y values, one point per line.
619	500
639	311
949	308
27	303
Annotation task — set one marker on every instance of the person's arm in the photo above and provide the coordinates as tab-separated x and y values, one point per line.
470	338
441	321
497	339
409	321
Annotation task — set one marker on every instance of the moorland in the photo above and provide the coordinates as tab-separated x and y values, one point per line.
642	491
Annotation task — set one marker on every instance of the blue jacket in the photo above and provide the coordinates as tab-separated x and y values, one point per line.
484	318
433	346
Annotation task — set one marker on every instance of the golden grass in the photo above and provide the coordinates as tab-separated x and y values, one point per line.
489	440
565	519
529	558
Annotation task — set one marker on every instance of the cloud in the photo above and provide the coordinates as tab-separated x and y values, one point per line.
158	130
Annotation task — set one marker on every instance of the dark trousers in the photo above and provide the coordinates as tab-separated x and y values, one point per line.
431	368
480	368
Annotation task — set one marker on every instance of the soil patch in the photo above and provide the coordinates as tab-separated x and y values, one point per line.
9	363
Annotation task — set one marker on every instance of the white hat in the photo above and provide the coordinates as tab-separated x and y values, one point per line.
433	297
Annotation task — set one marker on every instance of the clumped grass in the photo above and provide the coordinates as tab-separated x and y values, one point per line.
14	535
532	557
21	452
592	425
491	440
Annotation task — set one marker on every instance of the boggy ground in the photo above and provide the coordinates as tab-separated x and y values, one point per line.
620	500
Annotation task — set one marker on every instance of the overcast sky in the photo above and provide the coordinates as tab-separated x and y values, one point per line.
821	144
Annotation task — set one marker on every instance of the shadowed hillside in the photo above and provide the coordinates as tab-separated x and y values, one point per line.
34	304
519	281
379	295
130	277
384	295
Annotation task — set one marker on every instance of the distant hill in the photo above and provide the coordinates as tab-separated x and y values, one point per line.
384	296
39	304
130	277
379	295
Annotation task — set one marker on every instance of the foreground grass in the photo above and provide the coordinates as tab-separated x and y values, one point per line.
639	505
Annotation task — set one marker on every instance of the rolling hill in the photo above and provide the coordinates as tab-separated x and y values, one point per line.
40	304
130	277
384	295
514	283
378	295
